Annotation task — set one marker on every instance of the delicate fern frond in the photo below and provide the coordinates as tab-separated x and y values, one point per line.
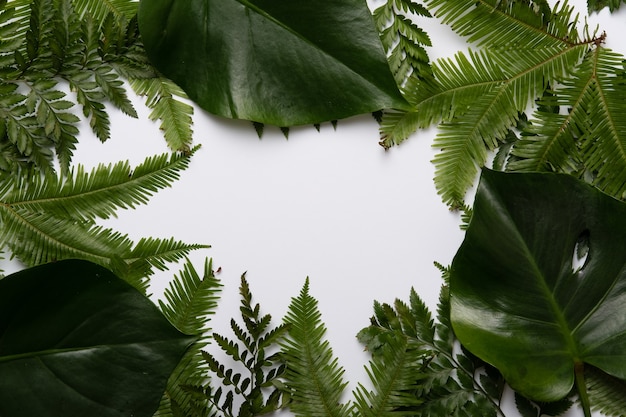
313	376
479	97
395	372
589	140
46	217
405	44
447	381
607	394
189	303
99	9
252	351
164	98
402	39
597	5
98	194
397	126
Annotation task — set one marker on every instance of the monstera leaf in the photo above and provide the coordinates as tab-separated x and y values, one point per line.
538	287
75	340
272	61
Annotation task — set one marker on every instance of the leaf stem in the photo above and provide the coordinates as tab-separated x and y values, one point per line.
579	372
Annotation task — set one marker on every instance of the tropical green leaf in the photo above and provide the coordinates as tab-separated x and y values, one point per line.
77	340
313	375
523	301
272	62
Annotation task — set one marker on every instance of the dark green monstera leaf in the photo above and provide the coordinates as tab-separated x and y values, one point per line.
75	340
538	287
279	62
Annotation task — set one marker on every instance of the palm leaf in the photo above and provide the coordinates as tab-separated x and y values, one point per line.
313	374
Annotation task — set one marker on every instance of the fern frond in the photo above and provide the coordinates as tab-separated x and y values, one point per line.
395	372
97	194
607	394
264	369
99	9
397	126
190	300
313	375
165	99
158	252
589	140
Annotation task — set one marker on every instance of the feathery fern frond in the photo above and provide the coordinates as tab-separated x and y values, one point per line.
607	394
478	97
98	194
405	44
99	9
313	376
395	372
46	217
449	381
165	99
189	302
589	138
254	350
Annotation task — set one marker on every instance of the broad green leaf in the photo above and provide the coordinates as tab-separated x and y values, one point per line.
75	340
538	287
272	61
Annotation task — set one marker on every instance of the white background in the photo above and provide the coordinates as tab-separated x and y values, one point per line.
363	223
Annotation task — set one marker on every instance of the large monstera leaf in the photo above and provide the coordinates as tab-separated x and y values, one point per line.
75	340
279	62
538	287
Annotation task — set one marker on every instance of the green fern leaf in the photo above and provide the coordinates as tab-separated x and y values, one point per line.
483	94
99	10
397	126
590	139
313	375
607	394
164	98
395	372
98	194
190	300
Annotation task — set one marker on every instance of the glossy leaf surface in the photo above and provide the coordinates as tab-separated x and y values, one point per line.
538	286
75	340
279	62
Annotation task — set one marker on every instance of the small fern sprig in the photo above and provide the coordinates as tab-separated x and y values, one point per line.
255	348
313	376
190	301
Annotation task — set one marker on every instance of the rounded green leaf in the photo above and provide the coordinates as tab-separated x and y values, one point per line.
519	298
75	340
278	62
